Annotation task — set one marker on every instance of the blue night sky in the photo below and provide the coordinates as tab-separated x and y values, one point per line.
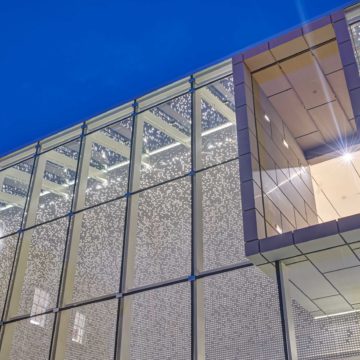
64	62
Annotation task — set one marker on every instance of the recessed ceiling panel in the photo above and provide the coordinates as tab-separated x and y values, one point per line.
328	57
272	80
331	121
307	79
338	83
293	113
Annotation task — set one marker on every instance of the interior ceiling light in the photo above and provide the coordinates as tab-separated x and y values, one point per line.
278	229
266	118
347	157
285	143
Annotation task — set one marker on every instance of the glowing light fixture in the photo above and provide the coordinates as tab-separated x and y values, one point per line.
278	229
347	157
336	314
285	143
266	118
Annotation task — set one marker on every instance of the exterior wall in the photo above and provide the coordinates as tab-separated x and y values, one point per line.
139	251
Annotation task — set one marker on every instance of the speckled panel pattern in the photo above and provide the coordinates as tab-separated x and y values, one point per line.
11	215
30	341
99	253
93	338
242	317
43	263
161	324
336	337
163	238
7	249
222	230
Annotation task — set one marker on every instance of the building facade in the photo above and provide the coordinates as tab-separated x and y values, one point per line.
216	218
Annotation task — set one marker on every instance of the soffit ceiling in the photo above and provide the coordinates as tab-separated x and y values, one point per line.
307	87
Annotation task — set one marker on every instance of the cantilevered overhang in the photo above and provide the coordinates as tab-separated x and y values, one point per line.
323	262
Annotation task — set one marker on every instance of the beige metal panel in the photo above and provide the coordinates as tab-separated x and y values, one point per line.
338	83
258	61
307	79
320	35
293	113
272	80
311	140
331	121
328	57
289	48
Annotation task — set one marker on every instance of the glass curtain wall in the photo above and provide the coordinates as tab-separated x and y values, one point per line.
124	238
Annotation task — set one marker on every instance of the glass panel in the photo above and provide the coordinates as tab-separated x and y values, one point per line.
355	37
90	332
39	268
160	325
57	182
222	216
14	186
26	340
109	163
166	148
242	319
7	253
163	237
99	251
219	139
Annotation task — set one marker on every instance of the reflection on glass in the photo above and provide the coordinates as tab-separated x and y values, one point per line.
24	340
38	273
166	148
219	139
40	305
88	331
14	185
58	171
109	162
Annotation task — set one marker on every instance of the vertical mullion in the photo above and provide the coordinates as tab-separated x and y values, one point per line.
286	312
23	248
197	261
27	198
62	320
122	346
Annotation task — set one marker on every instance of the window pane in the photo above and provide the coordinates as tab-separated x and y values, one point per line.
7	253
109	162
242	319
219	139
98	251
222	216
160	325
14	185
89	332
163	237
39	268
166	148
58	178
26	340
